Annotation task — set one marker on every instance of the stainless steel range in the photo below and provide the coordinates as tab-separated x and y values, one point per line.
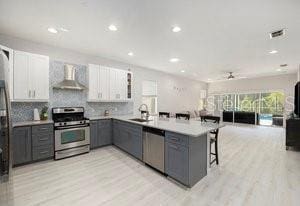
72	131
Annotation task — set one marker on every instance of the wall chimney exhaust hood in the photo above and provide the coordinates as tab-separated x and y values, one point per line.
69	81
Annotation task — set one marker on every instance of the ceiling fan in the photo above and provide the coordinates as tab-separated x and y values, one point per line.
230	76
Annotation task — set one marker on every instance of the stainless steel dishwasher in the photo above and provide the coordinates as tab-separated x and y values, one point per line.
154	148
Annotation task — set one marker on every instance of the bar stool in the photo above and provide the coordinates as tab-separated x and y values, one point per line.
164	114
182	115
213	137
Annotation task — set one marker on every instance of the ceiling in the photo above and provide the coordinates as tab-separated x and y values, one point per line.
216	36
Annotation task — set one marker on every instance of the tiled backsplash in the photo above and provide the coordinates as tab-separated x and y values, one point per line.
23	111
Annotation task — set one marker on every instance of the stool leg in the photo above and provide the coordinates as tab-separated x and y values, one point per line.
216	150
209	154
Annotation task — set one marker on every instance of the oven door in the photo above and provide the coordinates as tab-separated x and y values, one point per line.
66	137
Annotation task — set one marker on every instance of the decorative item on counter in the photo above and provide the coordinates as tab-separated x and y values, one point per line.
106	113
36	115
44	113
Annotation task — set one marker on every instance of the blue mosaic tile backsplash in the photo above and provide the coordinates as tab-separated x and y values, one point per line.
23	111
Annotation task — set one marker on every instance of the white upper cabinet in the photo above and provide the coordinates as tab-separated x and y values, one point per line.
118	84
30	77
107	84
98	83
104	83
93	75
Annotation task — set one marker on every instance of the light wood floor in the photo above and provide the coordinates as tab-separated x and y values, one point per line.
255	169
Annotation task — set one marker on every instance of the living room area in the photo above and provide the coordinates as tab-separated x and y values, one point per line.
263	101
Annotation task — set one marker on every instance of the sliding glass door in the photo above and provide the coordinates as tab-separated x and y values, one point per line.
271	108
263	108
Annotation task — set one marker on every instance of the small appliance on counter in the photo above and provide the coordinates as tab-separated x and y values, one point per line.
72	132
36	114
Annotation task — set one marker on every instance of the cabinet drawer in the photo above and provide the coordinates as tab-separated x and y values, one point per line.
42	139
42	152
46	128
177	138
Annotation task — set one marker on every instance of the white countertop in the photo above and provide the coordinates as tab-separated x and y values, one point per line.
31	123
192	127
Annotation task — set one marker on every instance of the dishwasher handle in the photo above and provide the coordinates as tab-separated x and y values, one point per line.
158	132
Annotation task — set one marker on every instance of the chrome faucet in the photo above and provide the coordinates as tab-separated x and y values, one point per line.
147	111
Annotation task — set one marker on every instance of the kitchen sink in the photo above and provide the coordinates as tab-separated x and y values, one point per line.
140	120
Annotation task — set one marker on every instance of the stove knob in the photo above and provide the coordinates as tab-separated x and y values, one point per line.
60	124
65	123
80	122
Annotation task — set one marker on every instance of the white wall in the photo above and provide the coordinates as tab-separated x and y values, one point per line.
299	73
174	93
285	83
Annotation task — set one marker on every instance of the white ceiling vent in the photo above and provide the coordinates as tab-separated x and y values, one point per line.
277	33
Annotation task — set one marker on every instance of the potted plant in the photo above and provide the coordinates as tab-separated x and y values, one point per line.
44	113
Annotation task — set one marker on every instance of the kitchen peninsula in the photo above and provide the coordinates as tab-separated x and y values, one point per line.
185	142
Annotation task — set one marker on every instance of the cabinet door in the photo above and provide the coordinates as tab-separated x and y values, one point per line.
104	78
104	132
39	76
93	74
176	162
21	145
135	140
113	85
116	133
93	134
21	76
122	84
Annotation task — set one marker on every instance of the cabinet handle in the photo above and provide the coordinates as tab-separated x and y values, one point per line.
44	139
175	139
44	152
29	93
34	93
98	95
173	146
101	95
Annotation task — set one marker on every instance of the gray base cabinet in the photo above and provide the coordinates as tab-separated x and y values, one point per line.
185	157
176	161
32	143
100	133
21	145
128	137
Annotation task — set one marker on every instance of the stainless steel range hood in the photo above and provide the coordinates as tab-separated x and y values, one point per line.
69	81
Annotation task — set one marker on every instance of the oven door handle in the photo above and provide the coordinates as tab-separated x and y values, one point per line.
72	127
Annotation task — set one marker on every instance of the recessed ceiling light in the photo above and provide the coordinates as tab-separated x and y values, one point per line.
130	54
279	70
64	29
173	60
52	30
176	29
182	71
112	27
273	52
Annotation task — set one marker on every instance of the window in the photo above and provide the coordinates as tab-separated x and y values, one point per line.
268	105
247	102
149	96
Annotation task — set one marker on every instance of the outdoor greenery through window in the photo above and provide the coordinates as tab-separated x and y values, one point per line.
268	105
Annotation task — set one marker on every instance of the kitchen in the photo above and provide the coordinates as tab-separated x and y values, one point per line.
108	108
